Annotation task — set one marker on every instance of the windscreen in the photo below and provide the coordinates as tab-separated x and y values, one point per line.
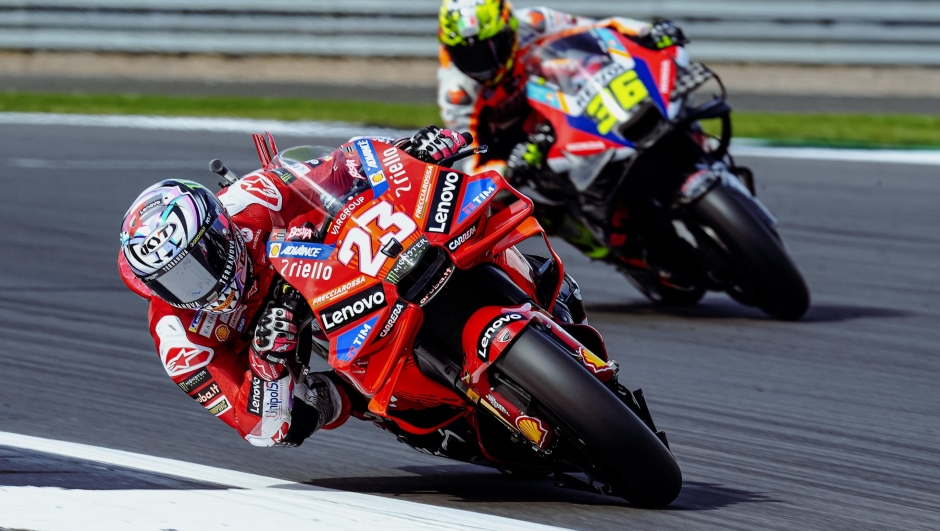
571	62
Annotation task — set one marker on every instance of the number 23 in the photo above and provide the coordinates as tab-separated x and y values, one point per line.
371	262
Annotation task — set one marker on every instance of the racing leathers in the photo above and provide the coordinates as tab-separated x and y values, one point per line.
242	366
497	113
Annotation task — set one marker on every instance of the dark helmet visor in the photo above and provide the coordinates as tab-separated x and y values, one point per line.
482	60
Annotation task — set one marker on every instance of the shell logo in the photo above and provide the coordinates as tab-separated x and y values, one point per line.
378	178
532	429
592	359
275	250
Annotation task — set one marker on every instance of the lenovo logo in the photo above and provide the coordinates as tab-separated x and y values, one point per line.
442	207
348	310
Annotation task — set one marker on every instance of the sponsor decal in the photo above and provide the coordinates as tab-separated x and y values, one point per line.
492	329
178	354
532	428
665	76
477	193
495	403
263	190
436	287
159	238
208	324
300	250
592	359
454	244
602	78
276	398
211	391
222	333
441	212
195	381
278	235
336	292
300	233
585	147
219	407
315	270
393	318
344	214
391	160
241	324
350	343
407	260
370	164
285	176
420	207
255	396
149	206
181	360
197	320
248	235
352	308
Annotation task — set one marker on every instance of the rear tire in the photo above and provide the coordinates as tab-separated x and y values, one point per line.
626	453
762	264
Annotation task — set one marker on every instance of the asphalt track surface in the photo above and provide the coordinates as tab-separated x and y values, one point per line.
827	423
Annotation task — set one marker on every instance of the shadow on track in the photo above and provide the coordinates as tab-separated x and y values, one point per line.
697	496
470	484
728	309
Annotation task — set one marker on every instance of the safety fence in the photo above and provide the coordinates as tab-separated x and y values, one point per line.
879	32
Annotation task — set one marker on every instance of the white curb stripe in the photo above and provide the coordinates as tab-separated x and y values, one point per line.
888	156
742	147
259	503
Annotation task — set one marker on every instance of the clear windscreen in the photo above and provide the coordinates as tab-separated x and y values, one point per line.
571	62
322	179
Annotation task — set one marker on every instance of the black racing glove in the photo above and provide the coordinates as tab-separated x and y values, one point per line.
527	158
433	144
663	34
275	338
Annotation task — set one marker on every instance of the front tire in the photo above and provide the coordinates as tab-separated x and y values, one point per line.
762	266
627	455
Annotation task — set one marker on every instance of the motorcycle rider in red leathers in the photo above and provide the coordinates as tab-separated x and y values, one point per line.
482	86
224	323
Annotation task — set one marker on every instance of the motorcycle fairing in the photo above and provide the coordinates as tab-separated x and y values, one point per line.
585	121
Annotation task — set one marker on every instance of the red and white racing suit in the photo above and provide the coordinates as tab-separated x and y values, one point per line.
207	355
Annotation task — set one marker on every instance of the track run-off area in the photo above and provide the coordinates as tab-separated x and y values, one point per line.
826	423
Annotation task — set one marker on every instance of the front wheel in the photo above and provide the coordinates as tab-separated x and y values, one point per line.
762	268
625	453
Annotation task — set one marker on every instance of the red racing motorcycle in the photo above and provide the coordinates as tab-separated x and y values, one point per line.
459	344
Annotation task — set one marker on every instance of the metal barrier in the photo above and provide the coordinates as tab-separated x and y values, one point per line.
902	32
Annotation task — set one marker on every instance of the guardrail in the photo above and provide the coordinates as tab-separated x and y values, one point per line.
902	32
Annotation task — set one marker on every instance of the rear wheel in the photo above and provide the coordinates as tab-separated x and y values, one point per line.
763	271
624	452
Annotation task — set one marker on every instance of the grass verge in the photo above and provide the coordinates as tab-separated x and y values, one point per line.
403	115
839	130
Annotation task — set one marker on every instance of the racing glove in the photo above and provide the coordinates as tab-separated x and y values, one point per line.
274	342
433	144
528	157
663	34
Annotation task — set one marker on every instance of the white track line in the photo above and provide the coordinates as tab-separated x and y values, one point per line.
215	125
741	147
255	502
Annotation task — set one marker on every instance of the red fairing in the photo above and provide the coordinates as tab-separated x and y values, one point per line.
206	354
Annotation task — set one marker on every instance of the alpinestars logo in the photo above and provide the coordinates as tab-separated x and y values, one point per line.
263	189
441	213
348	310
486	338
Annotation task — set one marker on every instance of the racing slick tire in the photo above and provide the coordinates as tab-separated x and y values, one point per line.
764	269
626	454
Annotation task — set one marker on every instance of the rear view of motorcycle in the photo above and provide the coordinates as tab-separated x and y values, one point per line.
631	177
455	342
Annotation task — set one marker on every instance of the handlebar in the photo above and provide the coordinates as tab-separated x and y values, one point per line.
449	161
